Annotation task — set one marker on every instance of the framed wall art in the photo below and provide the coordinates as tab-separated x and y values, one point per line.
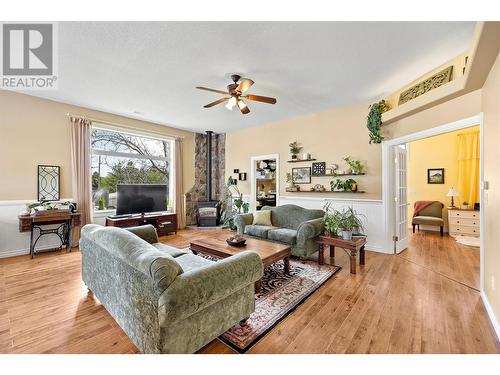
301	175
435	176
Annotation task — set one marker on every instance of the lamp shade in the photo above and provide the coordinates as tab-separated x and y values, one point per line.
452	192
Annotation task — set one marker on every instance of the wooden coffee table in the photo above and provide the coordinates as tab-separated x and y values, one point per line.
269	252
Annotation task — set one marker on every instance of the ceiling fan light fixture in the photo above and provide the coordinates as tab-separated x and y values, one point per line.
231	103
241	104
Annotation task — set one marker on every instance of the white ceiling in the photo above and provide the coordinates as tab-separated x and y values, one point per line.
153	68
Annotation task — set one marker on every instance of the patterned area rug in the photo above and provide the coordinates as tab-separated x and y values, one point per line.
279	296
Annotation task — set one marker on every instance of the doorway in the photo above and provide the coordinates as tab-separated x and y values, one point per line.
422	169
264	181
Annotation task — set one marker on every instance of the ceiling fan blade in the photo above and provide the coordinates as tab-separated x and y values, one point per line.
263	99
222	100
244	85
212	90
245	110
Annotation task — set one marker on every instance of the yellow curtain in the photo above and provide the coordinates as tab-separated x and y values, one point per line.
468	167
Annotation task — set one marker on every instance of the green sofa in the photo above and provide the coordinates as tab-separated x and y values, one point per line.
293	225
166	300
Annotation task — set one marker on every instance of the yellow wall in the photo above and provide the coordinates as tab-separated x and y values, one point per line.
328	136
36	131
491	205
435	152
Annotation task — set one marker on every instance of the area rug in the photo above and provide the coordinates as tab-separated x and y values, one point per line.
280	294
468	241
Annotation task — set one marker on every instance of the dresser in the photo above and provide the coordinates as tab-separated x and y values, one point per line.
463	222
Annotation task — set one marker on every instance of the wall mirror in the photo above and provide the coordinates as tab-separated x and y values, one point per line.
49	182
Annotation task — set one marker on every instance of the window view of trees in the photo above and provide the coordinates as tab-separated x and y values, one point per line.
121	158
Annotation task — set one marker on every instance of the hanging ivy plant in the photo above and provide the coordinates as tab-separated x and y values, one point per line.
374	120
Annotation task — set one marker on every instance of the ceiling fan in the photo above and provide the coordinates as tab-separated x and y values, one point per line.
235	96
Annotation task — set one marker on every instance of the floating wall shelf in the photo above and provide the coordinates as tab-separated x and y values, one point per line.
327	191
300	160
339	175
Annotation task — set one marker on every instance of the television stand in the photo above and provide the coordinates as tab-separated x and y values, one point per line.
164	222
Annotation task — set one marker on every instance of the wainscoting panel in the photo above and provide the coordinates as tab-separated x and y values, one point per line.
370	209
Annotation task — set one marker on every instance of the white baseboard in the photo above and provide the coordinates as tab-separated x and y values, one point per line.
18	252
491	314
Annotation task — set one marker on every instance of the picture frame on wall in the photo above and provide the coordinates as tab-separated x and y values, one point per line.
49	182
435	176
301	175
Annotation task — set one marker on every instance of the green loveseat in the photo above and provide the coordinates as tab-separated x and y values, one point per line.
166	300
293	225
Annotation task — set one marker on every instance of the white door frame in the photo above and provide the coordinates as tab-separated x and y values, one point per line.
253	187
388	176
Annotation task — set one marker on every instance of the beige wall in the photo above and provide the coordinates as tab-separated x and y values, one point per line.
36	131
491	109
328	136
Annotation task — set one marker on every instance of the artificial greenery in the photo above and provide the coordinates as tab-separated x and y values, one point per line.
355	165
47	205
289	178
295	149
374	120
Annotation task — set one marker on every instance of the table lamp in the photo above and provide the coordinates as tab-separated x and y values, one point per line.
452	193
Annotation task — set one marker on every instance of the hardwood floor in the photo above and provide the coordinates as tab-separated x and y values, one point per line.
444	256
392	305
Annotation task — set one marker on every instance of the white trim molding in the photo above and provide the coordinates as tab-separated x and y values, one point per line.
491	314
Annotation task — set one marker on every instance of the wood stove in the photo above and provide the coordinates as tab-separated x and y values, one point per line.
208	211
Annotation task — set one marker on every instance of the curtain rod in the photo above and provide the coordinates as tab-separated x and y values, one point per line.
124	126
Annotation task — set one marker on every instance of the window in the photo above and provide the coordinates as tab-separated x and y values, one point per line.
125	158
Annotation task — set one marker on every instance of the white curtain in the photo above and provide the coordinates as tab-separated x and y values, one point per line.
81	130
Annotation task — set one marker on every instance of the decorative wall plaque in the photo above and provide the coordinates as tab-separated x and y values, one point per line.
431	83
319	168
48	182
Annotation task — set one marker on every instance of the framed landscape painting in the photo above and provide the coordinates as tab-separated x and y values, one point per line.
435	176
301	175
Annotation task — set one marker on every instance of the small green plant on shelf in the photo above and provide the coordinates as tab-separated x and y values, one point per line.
295	149
374	120
347	185
355	165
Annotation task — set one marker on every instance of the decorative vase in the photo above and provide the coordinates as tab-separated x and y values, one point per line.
294	157
346	235
289	185
306	156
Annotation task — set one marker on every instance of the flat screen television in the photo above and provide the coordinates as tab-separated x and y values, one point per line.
140	198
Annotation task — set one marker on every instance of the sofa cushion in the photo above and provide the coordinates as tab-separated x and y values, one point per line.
428	220
190	262
291	216
258	230
170	250
262	218
285	235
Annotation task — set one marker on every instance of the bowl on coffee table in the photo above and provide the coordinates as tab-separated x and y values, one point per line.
236	241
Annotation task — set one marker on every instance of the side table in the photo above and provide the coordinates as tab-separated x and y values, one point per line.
352	248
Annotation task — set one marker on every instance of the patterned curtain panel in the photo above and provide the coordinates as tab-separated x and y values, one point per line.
81	130
468	167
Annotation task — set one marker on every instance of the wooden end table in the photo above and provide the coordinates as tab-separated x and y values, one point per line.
350	247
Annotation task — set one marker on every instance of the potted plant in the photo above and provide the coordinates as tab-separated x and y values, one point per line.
295	149
355	165
332	222
350	221
337	185
350	185
465	205
230	207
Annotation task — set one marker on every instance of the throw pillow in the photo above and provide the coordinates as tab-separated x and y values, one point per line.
262	218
